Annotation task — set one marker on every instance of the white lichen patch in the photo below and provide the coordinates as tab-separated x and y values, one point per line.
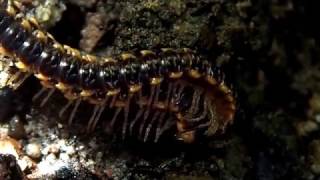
47	12
5	72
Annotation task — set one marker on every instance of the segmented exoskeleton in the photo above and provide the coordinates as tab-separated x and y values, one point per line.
145	93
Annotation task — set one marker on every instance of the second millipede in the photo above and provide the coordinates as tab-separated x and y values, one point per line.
145	93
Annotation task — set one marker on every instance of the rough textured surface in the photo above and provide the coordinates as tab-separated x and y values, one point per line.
9	169
268	49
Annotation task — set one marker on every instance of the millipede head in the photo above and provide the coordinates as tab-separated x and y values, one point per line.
203	111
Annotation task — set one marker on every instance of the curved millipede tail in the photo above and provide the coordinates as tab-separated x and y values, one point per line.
145	94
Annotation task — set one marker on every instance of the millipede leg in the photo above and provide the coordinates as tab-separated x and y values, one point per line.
14	77
65	107
168	94
146	114
174	92
126	114
36	96
158	129
140	97
203	114
153	97
166	126
199	94
74	110
147	132
97	118
194	108
142	126
92	118
179	91
152	91
113	101
20	81
213	125
115	117
138	116
95	121
43	102
195	102
156	98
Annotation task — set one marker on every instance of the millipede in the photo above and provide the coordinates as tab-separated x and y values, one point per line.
142	93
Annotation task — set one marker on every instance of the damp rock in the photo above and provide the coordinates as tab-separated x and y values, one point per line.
16	128
9	168
314	111
94	30
33	150
26	163
275	147
54	148
47	12
10	146
8	103
314	156
304	128
84	3
72	173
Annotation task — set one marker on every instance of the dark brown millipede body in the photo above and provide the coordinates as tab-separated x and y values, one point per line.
145	93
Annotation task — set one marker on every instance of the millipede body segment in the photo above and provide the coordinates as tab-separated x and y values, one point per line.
143	93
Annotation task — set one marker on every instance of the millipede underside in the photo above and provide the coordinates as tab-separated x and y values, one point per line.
145	115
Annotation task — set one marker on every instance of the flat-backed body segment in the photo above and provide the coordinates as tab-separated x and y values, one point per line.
145	93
